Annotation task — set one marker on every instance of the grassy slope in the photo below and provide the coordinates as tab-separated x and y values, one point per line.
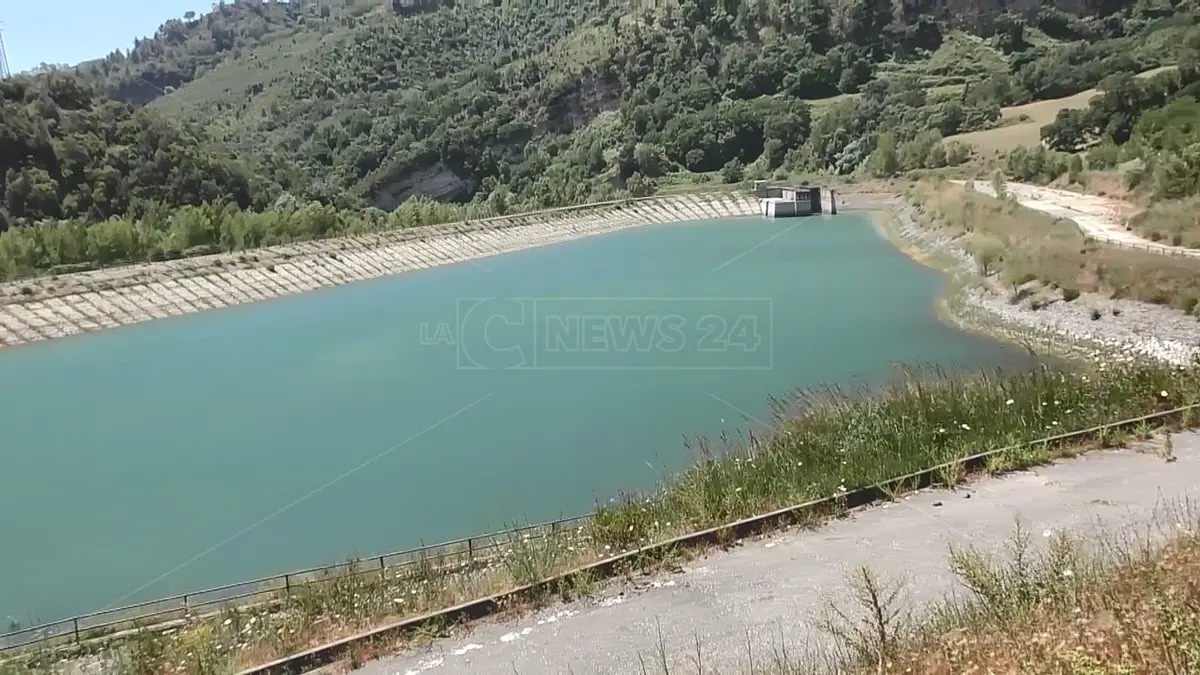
268	65
1021	125
960	57
835	442
1048	257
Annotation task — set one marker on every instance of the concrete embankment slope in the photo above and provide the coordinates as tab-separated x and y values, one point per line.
767	595
41	309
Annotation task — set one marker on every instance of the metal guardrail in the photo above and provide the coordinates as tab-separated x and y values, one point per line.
1157	249
390	234
460	552
470	550
609	567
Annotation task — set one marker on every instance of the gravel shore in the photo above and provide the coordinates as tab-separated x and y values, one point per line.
1124	330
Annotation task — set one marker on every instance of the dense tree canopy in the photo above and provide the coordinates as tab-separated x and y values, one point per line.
345	107
67	154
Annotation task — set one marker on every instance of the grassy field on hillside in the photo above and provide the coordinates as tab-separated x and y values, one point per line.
1175	223
1021	125
255	78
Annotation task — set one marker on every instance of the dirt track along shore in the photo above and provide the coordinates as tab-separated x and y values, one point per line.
1100	218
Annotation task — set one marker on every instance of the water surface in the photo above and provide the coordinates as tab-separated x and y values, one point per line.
211	448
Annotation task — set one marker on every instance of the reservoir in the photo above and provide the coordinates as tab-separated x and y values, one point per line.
201	450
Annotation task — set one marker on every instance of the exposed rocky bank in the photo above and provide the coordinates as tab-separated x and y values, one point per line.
1097	326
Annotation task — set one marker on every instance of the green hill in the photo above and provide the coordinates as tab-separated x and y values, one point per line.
358	103
465	100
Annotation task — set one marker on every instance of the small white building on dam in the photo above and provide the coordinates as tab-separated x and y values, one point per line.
791	201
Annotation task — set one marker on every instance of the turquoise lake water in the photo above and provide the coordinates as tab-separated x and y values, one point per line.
200	450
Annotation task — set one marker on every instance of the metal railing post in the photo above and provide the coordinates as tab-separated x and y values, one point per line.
75	622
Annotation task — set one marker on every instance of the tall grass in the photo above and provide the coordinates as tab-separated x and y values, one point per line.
1114	602
1174	222
829	441
1081	604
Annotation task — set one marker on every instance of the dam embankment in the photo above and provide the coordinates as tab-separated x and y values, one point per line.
46	308
299	432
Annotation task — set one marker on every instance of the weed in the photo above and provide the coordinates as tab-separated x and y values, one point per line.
531	559
1168	449
1108	604
872	634
952	474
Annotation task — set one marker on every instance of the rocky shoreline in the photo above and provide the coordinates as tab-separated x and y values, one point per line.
1093	326
52	307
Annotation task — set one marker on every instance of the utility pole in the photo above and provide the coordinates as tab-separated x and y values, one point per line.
4	72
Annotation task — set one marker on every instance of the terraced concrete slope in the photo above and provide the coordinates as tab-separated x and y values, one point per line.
43	309
767	595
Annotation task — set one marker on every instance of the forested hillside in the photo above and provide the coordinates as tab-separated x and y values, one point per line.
66	153
553	104
367	103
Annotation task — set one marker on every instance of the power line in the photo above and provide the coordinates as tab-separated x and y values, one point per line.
4	72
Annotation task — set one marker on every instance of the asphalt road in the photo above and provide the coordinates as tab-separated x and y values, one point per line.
765	596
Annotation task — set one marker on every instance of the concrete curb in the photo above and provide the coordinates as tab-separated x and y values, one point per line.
609	567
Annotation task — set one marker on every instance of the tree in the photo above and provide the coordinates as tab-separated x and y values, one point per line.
732	171
987	250
1076	168
885	160
1010	33
1067	132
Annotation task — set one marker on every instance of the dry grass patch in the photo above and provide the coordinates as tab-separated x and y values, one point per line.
1043	258
1021	125
1077	605
1176	223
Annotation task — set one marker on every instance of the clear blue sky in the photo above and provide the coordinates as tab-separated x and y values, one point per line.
70	31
